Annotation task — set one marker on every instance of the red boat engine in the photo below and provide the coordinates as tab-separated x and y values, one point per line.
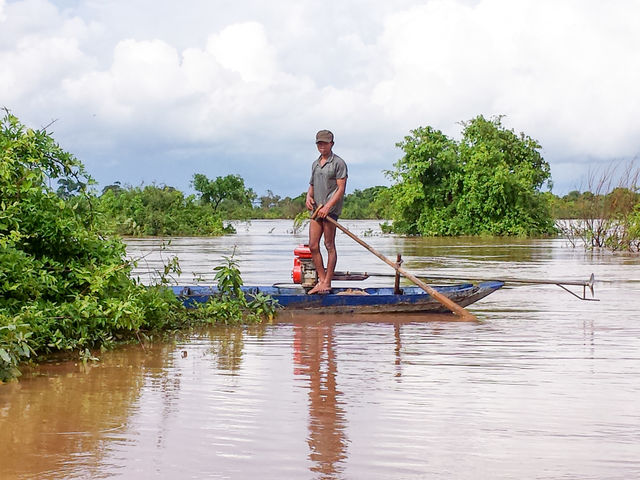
304	271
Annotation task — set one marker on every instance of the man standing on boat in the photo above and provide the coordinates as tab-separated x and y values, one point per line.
326	188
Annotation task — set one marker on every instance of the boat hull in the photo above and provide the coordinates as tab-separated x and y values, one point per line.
354	300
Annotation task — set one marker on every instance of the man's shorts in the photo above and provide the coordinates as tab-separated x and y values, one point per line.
332	215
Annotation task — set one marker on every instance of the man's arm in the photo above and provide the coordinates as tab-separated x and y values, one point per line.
309	201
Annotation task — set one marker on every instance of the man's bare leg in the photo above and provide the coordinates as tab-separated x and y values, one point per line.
315	233
329	231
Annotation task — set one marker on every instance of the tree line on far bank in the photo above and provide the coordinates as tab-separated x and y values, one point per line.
488	183
162	210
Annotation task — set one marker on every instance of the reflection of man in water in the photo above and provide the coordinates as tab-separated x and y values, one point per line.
315	356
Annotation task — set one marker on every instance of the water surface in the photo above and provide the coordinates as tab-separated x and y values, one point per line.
544	386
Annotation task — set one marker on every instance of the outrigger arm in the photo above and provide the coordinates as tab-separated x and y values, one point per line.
560	283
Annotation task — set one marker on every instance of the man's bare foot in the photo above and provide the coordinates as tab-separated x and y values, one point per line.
320	289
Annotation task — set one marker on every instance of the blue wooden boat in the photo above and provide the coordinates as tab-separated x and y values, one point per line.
353	300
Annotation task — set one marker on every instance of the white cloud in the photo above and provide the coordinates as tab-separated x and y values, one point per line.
256	80
244	48
214	94
555	68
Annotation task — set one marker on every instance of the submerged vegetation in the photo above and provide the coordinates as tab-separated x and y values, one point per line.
605	216
156	211
486	184
370	203
232	305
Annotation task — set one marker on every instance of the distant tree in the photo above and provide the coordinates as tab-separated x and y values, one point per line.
572	195
269	200
621	200
216	191
290	207
116	188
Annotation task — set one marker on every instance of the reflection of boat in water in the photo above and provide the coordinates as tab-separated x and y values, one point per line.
353	300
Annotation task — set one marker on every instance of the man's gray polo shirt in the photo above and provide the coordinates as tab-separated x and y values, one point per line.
323	179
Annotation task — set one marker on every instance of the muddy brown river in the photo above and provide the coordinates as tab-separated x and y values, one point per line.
543	386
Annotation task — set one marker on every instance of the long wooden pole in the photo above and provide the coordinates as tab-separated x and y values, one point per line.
443	299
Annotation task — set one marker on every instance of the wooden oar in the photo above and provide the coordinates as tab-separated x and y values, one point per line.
443	299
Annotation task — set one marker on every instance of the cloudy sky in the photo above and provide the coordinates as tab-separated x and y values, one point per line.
149	91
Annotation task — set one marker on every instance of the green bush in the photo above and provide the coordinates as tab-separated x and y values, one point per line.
487	184
231	306
157	211
369	203
63	285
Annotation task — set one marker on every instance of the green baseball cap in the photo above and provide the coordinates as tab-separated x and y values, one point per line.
324	136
